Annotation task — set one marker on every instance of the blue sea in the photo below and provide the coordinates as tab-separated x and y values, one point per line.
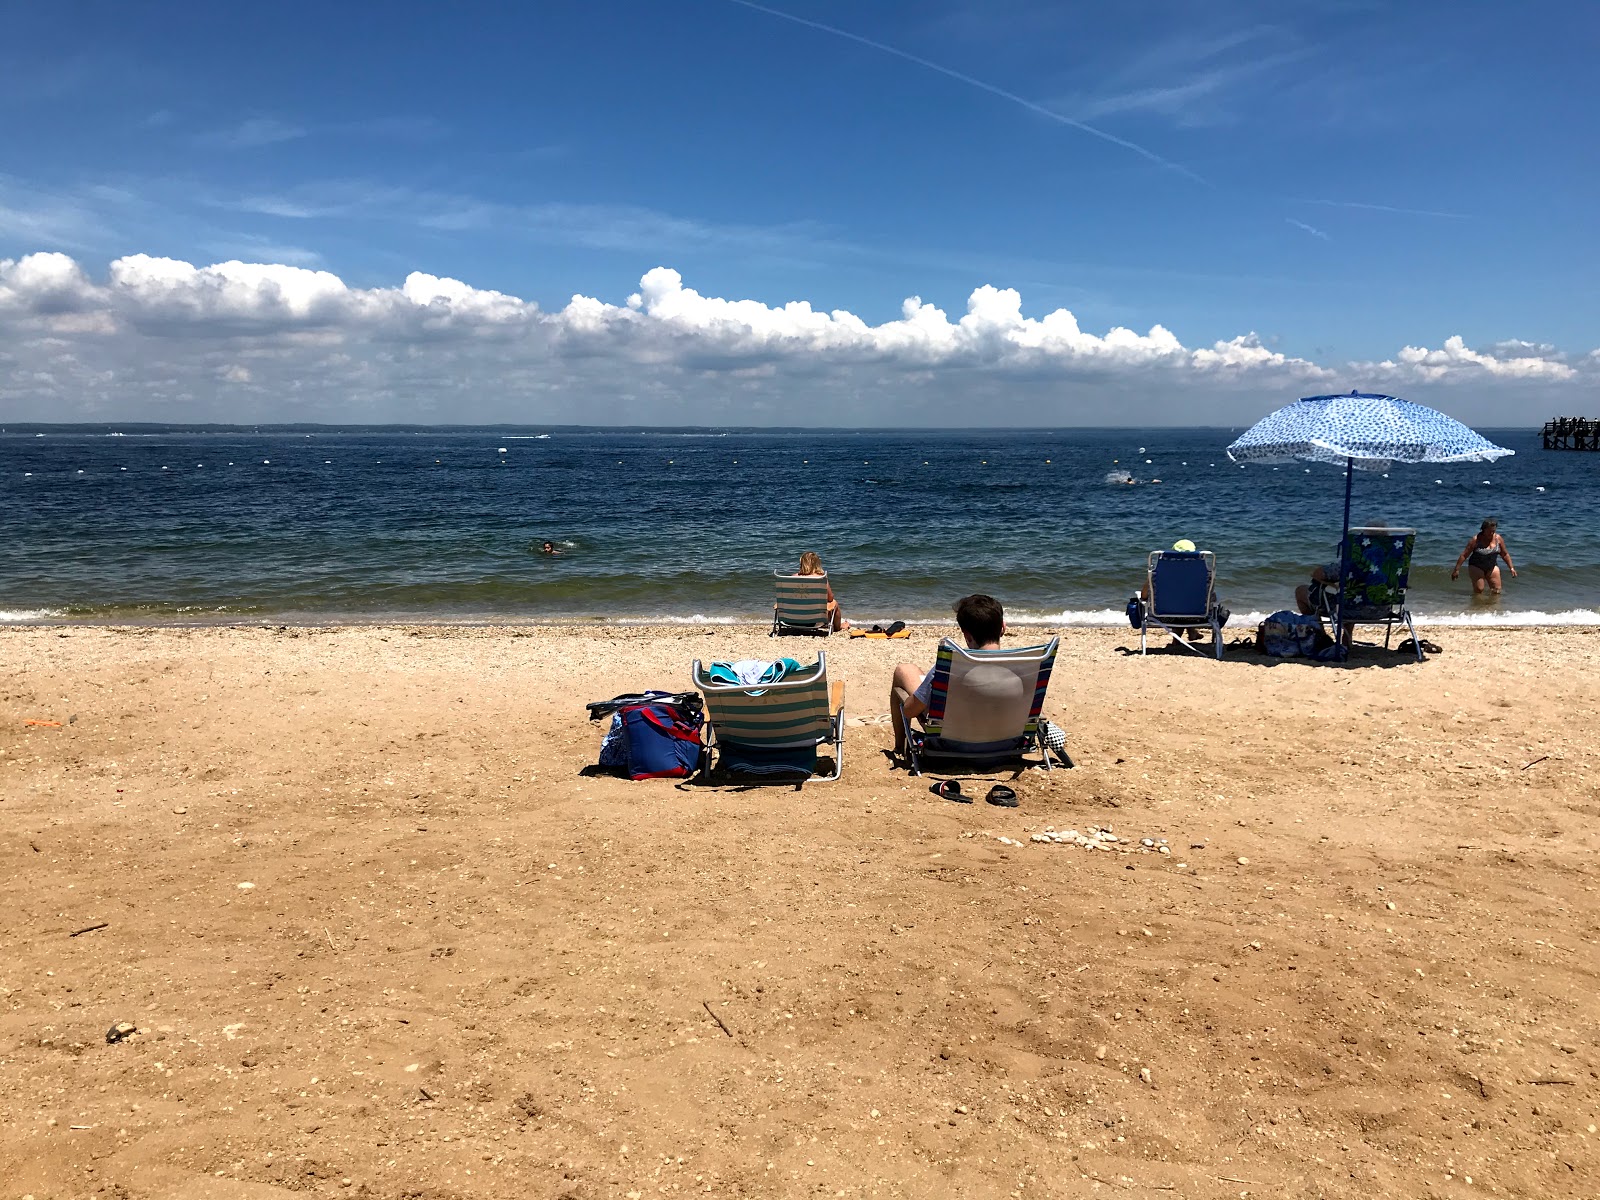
168	524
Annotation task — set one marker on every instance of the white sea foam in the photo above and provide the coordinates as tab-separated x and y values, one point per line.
697	619
1245	622
1530	616
15	615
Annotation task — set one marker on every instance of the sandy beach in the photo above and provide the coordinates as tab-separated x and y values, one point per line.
380	937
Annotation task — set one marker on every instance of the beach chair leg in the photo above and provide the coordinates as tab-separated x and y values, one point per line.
703	766
1142	627
1216	637
1415	645
838	745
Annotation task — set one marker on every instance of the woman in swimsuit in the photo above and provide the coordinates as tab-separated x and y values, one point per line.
811	564
1482	556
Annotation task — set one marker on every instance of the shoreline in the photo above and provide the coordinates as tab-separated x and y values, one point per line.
1486	617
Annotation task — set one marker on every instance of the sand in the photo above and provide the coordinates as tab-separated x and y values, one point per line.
380	937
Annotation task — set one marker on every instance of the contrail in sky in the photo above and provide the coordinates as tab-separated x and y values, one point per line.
1151	155
1388	208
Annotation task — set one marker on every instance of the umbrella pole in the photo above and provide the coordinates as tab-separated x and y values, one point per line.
1344	551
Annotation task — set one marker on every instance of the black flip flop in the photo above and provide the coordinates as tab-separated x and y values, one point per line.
950	789
876	629
1429	647
895	627
1001	796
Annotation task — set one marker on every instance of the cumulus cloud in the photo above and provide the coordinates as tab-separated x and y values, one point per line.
1455	361
161	339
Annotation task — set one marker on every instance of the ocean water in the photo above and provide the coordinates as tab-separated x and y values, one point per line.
171	524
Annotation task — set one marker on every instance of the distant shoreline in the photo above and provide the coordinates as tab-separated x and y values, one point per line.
1022	624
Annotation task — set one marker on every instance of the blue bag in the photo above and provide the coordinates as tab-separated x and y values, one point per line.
661	741
1287	634
1135	611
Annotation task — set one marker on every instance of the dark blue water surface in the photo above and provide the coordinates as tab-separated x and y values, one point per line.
164	523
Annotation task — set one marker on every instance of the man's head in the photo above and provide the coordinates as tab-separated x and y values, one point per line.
981	619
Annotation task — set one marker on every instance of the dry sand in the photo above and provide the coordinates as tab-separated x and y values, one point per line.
461	968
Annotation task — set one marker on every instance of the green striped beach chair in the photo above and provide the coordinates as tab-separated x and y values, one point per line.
772	730
986	708
802	605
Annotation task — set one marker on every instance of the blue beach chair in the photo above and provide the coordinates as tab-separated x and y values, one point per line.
985	709
1180	594
772	730
1377	572
802	605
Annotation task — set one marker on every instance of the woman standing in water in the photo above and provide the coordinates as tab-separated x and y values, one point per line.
1482	556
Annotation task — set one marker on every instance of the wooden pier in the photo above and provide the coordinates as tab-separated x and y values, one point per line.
1572	433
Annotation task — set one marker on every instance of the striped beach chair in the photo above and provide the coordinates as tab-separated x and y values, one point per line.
802	605
772	730
985	708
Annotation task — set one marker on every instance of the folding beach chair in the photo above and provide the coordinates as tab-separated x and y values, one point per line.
1180	594
772	730
985	709
802	605
1377	572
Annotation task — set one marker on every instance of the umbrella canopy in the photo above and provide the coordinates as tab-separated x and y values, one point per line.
1362	430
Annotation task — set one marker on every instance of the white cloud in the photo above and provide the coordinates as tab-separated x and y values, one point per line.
251	133
1456	361
159	338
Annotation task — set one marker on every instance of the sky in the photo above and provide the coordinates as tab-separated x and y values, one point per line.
807	212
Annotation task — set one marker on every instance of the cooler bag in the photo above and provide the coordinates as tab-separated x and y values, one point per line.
662	741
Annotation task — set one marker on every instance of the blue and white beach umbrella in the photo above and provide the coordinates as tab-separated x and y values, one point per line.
1364	431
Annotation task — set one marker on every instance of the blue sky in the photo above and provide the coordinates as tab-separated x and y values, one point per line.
1340	179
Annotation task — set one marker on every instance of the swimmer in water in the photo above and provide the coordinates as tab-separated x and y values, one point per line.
550	549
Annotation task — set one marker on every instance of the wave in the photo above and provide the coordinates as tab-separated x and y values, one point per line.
1530	616
696	619
18	615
